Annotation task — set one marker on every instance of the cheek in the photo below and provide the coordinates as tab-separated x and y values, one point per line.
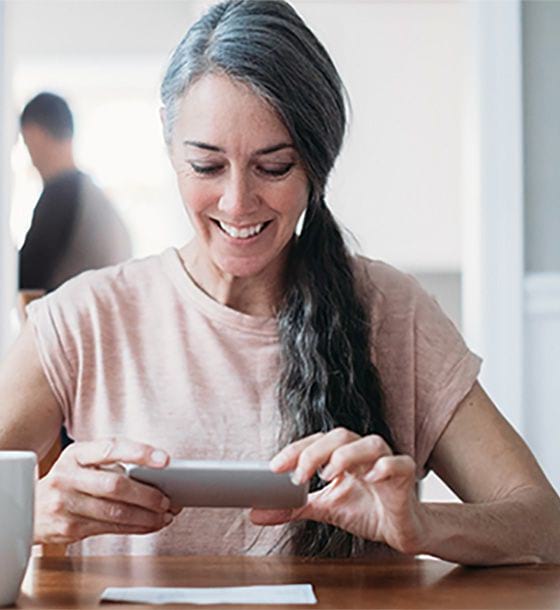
292	201
197	197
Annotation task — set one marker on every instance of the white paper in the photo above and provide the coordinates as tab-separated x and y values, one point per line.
260	594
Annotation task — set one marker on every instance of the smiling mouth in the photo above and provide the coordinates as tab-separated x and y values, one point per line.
245	232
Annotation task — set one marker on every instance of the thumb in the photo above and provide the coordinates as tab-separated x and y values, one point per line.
265	516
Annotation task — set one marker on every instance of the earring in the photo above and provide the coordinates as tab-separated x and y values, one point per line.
300	223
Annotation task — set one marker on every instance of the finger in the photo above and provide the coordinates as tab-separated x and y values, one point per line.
317	454
356	458
99	509
266	516
112	486
118	528
397	466
286	459
79	528
109	451
262	516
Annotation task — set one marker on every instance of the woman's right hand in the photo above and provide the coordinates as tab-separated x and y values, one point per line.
78	498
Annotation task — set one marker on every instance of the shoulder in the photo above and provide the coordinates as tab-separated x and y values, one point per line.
60	191
398	304
116	288
64	182
88	183
91	194
385	287
119	278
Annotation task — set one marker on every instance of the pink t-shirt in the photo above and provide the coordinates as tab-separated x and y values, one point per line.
138	350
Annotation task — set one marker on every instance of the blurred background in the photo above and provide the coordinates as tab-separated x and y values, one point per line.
450	170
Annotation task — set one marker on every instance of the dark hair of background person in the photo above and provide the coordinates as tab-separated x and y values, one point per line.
327	377
51	112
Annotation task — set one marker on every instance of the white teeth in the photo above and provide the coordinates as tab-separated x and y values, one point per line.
243	233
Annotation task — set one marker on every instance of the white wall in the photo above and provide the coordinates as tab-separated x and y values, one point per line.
398	183
69	28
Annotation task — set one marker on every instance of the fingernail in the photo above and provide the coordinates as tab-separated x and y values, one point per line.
296	477
326	473
276	462
167	518
159	457
165	503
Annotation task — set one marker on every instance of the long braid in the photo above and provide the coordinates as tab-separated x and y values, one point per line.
328	378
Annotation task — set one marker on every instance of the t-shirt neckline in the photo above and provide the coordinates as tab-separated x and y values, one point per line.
262	325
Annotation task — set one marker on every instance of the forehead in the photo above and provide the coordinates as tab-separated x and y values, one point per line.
227	113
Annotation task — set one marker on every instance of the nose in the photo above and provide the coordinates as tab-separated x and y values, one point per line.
239	199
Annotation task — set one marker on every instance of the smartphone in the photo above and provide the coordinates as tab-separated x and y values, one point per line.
222	484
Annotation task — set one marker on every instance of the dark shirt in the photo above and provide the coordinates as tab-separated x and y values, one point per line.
74	228
50	232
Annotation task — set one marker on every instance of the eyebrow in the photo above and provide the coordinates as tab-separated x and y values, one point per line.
262	151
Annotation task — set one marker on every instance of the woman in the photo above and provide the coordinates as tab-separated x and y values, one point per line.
252	338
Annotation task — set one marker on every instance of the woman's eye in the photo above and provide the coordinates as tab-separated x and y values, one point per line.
269	170
206	169
276	170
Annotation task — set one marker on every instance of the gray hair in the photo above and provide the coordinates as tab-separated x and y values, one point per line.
267	46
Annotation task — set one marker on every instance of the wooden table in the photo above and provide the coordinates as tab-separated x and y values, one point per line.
61	582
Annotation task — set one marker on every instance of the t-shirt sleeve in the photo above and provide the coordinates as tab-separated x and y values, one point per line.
444	371
425	366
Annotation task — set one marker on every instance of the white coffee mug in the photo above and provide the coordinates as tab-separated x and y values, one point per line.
17	494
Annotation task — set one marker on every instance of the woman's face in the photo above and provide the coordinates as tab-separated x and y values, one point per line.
240	177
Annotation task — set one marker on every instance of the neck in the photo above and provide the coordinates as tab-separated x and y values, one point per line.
60	161
257	295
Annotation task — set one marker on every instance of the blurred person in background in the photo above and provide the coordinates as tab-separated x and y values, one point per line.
75	227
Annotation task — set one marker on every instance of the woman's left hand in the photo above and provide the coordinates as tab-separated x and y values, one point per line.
371	492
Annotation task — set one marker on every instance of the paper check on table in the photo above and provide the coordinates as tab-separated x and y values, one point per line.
258	594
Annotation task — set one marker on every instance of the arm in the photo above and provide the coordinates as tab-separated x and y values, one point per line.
76	499
511	513
29	414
